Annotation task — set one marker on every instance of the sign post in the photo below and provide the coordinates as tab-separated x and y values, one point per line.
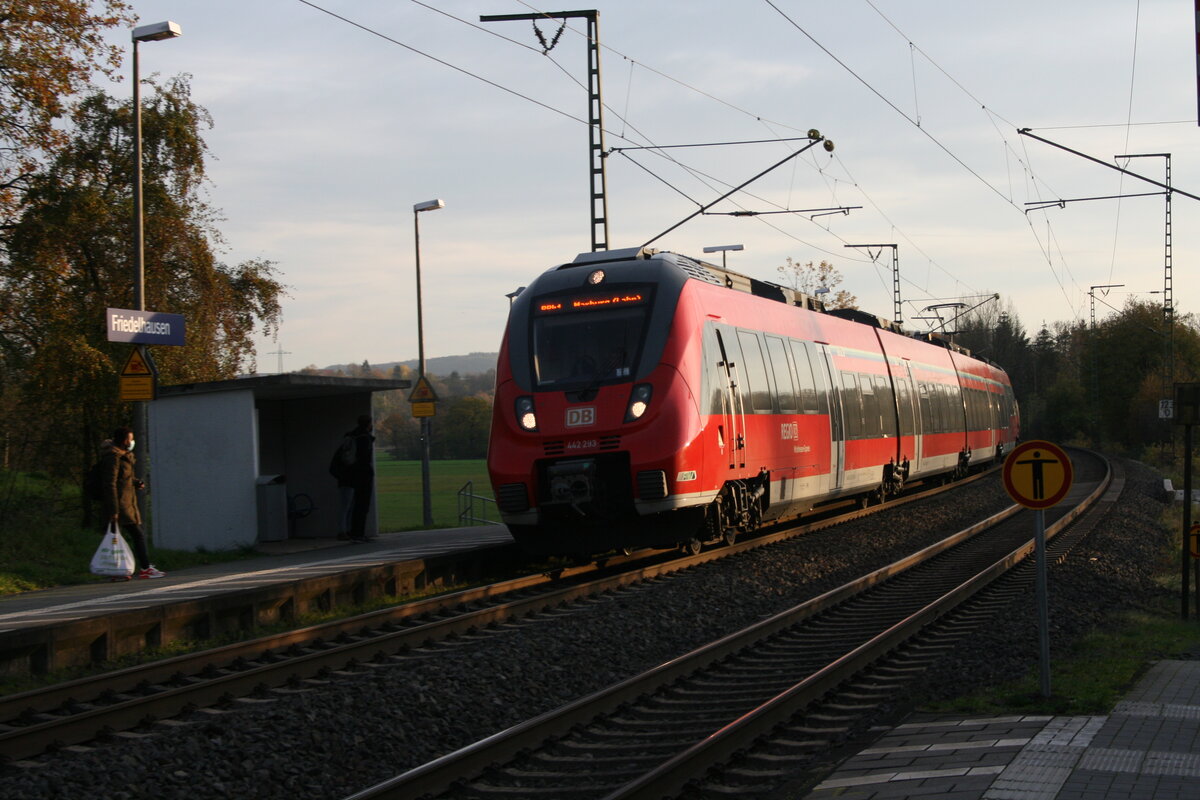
423	399
139	377
1187	414
1038	475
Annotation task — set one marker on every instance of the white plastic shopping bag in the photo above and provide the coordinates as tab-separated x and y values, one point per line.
113	557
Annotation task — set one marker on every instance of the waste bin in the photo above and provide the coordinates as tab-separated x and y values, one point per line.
272	503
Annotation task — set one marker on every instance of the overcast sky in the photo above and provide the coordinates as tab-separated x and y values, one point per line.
327	131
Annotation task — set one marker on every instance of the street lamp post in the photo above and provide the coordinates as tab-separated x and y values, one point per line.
426	500
143	33
722	249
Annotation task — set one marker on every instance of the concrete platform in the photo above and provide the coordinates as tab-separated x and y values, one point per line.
1148	748
79	625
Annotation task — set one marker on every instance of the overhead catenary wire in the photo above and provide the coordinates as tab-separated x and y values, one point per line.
1137	18
832	181
758	118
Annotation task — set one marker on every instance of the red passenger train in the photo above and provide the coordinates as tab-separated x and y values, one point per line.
647	399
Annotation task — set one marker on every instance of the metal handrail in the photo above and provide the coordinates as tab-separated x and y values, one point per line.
466	507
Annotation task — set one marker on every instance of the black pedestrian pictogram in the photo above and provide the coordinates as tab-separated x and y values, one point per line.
1037	464
1037	474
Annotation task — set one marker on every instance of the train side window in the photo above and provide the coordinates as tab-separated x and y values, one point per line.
808	382
926	406
852	406
904	394
733	356
941	411
870	407
755	372
954	409
823	380
887	405
716	380
784	382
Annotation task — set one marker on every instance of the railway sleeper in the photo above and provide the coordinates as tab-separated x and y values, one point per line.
634	731
729	700
765	671
696	722
928	648
630	771
591	747
696	712
775	684
799	747
830	717
700	694
871	697
588	757
842	705
905	671
756	773
871	684
520	790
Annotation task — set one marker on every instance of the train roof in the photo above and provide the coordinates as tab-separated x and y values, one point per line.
722	276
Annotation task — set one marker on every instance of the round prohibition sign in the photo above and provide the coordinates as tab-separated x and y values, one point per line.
1038	474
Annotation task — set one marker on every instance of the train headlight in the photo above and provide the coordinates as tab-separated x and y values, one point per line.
526	417
639	401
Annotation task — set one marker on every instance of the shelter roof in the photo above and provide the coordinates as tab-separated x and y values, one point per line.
290	386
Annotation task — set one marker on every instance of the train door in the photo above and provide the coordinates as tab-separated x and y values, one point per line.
910	418
824	372
733	412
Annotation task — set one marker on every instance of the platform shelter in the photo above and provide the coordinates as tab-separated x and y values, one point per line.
242	461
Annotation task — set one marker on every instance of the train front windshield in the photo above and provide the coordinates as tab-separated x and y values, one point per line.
584	339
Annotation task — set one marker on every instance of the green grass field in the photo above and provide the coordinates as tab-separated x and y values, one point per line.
399	491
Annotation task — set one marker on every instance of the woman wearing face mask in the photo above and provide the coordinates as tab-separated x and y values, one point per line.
120	497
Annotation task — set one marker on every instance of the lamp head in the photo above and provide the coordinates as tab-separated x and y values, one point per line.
429	205
157	31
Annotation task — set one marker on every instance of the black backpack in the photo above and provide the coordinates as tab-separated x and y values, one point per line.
93	481
343	457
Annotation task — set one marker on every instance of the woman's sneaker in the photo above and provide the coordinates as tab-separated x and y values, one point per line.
151	572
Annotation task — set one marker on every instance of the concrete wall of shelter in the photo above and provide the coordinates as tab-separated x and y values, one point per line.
203	465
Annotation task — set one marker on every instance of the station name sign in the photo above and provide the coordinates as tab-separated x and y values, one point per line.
144	327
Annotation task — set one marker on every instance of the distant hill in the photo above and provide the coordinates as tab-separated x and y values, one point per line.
470	364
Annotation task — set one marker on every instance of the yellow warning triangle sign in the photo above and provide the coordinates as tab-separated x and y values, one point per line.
422	392
136	364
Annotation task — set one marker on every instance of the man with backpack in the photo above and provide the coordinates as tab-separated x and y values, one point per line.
353	464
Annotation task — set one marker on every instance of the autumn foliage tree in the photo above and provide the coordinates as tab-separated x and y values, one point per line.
49	50
67	257
809	277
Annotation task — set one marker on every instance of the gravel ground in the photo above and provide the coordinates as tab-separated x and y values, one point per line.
355	730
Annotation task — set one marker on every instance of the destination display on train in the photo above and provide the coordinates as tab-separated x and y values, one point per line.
558	305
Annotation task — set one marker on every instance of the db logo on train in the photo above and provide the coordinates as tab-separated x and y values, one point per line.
579	417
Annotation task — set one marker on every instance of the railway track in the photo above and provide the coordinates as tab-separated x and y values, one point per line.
743	714
78	711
